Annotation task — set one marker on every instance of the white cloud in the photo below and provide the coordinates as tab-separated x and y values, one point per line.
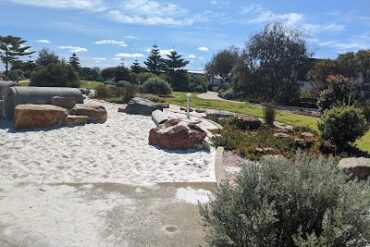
129	55
261	15
111	42
99	58
130	37
43	41
93	5
73	48
165	52
344	46
203	48
323	27
192	56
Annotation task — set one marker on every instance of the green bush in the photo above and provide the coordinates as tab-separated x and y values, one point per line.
305	203
55	75
366	111
144	76
179	80
125	92
340	91
156	86
342	125
16	75
198	89
269	112
198	83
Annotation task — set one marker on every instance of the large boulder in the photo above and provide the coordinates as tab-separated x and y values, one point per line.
247	122
356	167
177	134
65	102
140	106
30	116
95	113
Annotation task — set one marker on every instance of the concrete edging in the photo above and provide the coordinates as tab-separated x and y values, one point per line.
219	165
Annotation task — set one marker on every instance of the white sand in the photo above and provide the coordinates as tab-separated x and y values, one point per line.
193	196
115	152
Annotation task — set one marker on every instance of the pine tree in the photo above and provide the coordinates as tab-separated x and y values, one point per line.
136	68
154	62
174	62
74	61
10	48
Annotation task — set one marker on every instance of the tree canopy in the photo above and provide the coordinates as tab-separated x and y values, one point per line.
11	48
154	62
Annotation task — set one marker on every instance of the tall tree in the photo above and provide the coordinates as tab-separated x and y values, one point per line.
136	68
11	48
47	57
154	62
275	56
223	62
74	61
174	61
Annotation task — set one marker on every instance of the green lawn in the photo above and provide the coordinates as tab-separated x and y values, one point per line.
179	98
90	84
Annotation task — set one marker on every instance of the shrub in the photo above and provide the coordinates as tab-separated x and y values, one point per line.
227	94
340	91
16	75
179	80
198	89
124	92
269	112
156	86
278	203
151	97
55	75
342	125
144	76
366	111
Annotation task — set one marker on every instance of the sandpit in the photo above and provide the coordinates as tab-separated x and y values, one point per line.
115	152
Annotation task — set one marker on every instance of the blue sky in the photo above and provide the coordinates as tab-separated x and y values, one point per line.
102	32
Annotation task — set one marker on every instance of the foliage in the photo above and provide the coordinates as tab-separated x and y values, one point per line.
11	48
174	61
154	62
144	76
124	92
340	91
223	62
118	73
196	82
272	63
90	84
26	66
16	75
269	113
342	125
227	93
74	61
108	73
47	57
55	75
308	202
91	74
179	80
151	97
136	67
156	86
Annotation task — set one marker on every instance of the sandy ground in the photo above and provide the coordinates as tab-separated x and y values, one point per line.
116	152
101	185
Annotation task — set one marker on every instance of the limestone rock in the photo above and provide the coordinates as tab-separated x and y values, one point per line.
95	113
356	167
77	120
65	102
247	122
140	106
30	116
177	134
220	115
281	135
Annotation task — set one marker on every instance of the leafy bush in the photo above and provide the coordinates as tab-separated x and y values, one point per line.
156	86
342	125
198	89
340	91
55	75
278	203
179	80
366	111
227	94
144	76
125	92
269	112
151	97
16	75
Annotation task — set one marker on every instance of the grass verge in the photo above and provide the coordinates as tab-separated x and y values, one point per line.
179	98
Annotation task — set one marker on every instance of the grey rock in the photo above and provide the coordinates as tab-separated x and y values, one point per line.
140	106
356	167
